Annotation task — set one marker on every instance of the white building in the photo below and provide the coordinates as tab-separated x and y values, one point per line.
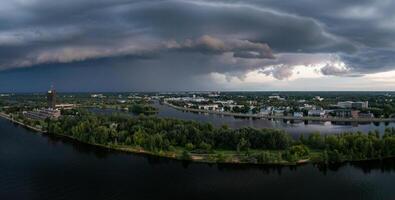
276	97
65	106
265	112
209	107
42	114
318	98
98	96
351	104
278	112
228	102
316	113
298	114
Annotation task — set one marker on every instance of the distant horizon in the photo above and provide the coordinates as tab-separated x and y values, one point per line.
202	91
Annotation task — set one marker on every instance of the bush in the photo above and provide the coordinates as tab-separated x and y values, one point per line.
299	151
186	155
189	146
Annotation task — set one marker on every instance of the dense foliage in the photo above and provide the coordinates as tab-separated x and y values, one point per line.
260	145
143	109
353	146
166	132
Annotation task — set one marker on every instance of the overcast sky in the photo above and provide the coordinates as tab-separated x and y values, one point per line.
141	45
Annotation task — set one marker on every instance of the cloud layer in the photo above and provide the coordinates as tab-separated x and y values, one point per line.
197	37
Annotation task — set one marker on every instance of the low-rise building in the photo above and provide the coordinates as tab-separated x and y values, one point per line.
318	98
65	106
265	111
316	113
42	114
228	102
344	113
98	96
278	112
355	113
354	105
298	114
209	107
276	97
366	115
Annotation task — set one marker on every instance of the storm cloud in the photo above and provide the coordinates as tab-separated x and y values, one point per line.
197	37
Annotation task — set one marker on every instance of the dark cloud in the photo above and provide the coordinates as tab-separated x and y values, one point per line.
208	45
197	37
78	30
371	60
334	70
279	72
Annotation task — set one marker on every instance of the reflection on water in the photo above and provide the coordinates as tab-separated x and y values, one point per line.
295	127
37	166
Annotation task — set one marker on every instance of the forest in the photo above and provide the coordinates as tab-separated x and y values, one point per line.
187	138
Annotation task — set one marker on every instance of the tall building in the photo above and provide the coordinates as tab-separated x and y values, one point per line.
51	98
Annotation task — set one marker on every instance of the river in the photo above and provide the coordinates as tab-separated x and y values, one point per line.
296	128
35	166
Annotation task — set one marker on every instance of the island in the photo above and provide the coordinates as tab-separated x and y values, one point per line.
146	133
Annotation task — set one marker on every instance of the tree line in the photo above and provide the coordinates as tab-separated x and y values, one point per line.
261	145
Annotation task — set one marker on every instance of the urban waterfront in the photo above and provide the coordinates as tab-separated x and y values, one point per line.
296	128
35	166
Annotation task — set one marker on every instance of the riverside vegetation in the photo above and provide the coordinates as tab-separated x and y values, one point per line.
190	140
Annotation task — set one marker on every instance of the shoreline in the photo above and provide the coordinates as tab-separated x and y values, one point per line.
7	117
257	116
198	158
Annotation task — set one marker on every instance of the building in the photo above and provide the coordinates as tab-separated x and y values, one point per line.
355	113
42	114
121	101
344	113
318	98
66	106
214	94
316	113
366	115
307	107
266	111
225	103
51	98
278	113
97	96
209	107
354	105
276	97
298	114
360	105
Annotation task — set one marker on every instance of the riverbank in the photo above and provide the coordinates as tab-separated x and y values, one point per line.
249	156
217	156
258	116
5	116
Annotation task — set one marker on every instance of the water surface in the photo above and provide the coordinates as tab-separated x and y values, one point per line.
295	128
34	166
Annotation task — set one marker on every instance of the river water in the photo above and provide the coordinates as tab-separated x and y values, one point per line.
295	128
34	166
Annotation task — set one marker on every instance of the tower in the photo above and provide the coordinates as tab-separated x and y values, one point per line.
51	98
